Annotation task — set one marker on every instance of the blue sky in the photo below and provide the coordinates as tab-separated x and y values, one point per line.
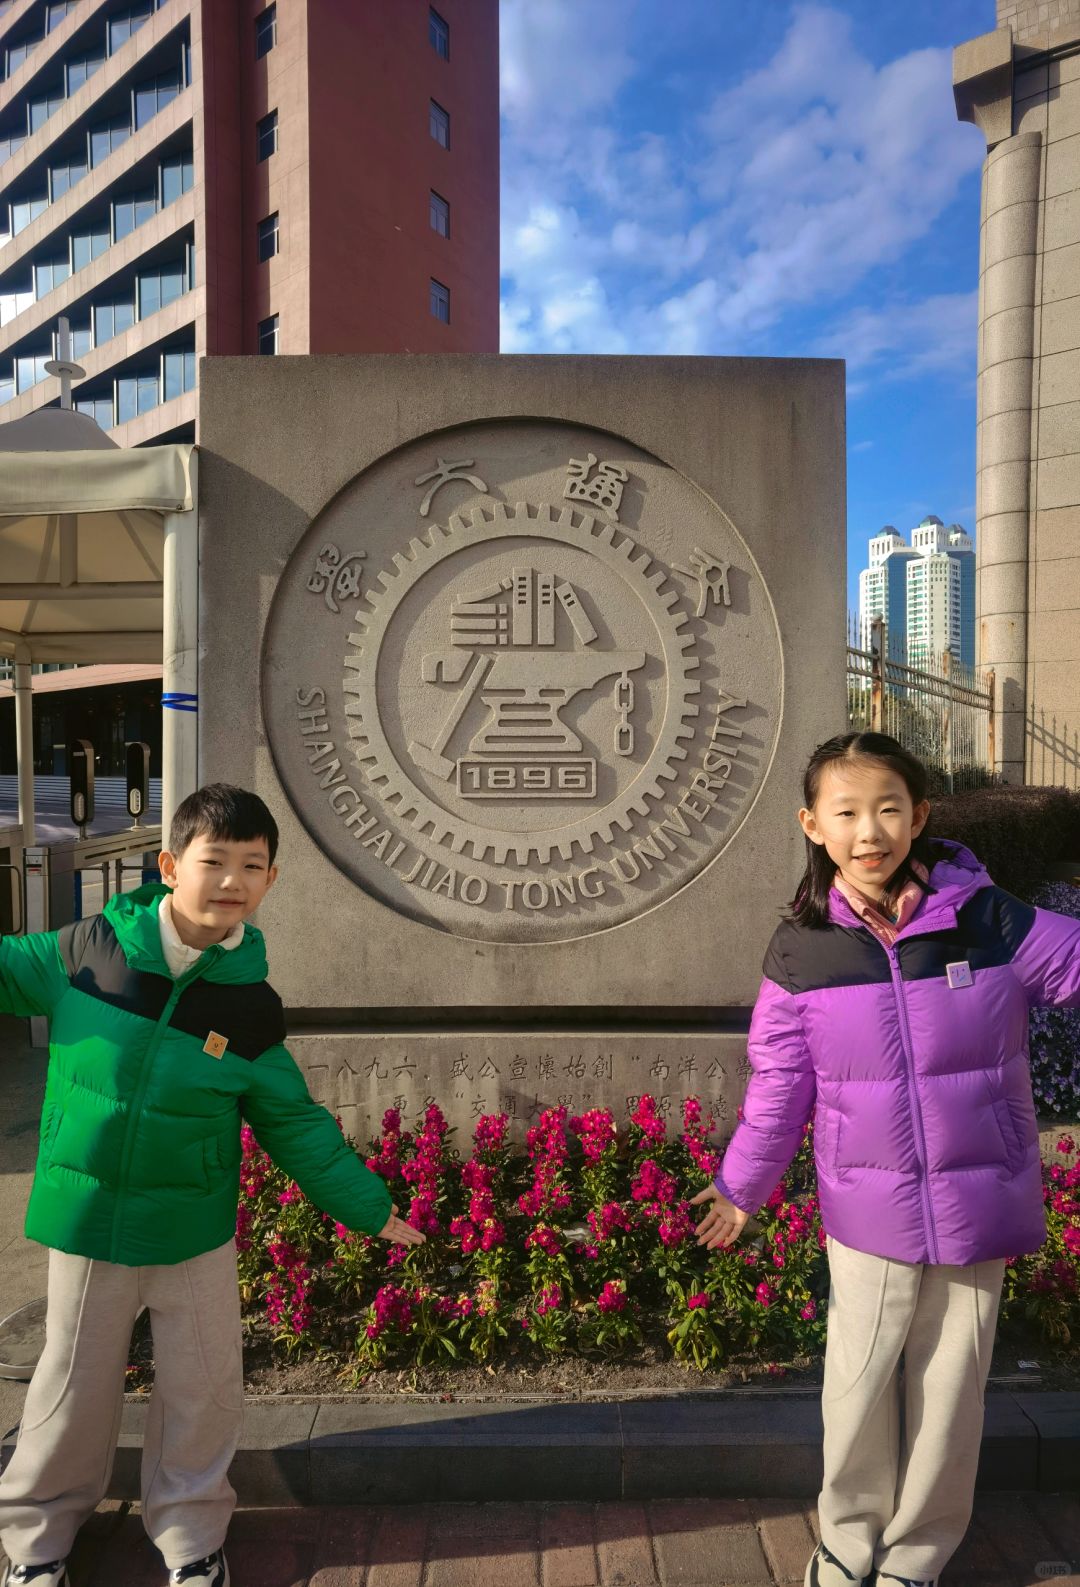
761	178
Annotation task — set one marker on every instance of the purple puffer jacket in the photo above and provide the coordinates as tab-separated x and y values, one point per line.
925	1137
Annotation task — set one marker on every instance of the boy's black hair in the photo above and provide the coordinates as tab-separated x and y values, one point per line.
810	906
231	815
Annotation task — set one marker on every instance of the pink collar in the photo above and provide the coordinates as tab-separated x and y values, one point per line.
886	930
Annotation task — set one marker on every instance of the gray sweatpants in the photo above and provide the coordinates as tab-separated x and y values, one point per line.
62	1463
901	1452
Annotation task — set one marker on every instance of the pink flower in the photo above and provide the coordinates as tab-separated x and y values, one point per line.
1066	1144
697	1301
596	1129
1071	1241
764	1294
291	1194
652	1184
652	1127
612	1297
550	1299
543	1238
490	1132
809	1311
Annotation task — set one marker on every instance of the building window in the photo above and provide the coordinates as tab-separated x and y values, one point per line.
137	394
50	274
83	68
153	95
440	302
439	124
30	369
81	341
134	209
177	372
65	175
112	319
9	143
159	287
57	12
439	215
265	31
25	211
266	137
268	237
18	53
15	299
38	111
268	335
100	410
177	178
89	244
439	34
127	22
107	137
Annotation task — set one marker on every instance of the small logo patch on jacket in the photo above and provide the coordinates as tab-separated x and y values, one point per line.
215	1045
959	974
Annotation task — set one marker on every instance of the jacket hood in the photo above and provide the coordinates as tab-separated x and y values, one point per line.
133	916
956	876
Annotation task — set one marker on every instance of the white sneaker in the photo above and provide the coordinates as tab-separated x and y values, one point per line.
54	1575
213	1571
825	1570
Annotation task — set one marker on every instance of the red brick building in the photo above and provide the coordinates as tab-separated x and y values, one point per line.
191	177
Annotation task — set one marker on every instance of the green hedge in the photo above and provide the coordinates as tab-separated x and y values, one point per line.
1016	832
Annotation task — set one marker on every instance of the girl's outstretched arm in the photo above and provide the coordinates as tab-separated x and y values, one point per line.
779	1100
1046	950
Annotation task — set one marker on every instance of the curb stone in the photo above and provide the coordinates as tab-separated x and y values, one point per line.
304	1452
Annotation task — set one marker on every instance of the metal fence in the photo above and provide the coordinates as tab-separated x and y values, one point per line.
935	706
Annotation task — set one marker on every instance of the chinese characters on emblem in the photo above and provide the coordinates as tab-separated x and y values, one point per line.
599	484
442	474
711	573
336	578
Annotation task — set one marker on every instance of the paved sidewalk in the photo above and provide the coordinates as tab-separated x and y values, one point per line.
665	1543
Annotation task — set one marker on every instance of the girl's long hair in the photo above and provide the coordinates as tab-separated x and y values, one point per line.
810	906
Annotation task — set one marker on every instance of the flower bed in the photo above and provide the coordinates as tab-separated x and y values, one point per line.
1055	1032
575	1248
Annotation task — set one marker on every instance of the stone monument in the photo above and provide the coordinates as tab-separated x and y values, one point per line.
526	654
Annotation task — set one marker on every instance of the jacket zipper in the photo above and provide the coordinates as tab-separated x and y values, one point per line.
913	1098
140	1090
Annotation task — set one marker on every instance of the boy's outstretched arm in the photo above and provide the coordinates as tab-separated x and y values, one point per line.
304	1140
32	974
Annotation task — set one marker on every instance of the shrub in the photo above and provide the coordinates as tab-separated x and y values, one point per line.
1016	832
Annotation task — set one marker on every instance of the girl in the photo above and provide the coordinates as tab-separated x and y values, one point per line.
895	1006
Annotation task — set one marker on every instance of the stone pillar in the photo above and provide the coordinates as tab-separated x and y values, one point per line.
1003	445
1021	86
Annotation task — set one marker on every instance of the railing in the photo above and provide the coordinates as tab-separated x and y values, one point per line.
935	706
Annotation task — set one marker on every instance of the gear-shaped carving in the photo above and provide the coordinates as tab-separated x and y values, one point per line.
610	545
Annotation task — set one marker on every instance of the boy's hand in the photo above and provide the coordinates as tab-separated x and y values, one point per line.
400	1232
723	1221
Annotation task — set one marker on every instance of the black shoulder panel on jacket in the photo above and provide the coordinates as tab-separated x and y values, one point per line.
251	1017
989	929
808	959
95	964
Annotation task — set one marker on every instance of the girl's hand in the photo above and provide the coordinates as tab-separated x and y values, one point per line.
400	1232
723	1221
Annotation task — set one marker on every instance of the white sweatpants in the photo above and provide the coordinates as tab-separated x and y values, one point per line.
901	1451
63	1460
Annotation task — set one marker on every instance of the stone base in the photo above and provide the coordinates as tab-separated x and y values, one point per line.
520	1073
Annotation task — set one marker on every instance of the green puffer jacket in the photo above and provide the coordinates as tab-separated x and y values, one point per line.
139	1160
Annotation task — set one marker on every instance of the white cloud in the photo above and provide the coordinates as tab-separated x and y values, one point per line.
905	340
790	189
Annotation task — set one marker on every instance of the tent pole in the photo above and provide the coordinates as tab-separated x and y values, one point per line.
180	684
24	742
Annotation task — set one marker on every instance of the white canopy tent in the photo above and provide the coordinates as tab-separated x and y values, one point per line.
99	563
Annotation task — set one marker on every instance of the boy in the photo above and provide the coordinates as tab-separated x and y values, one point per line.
164	1035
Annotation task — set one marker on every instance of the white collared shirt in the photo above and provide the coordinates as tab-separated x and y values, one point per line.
178	956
